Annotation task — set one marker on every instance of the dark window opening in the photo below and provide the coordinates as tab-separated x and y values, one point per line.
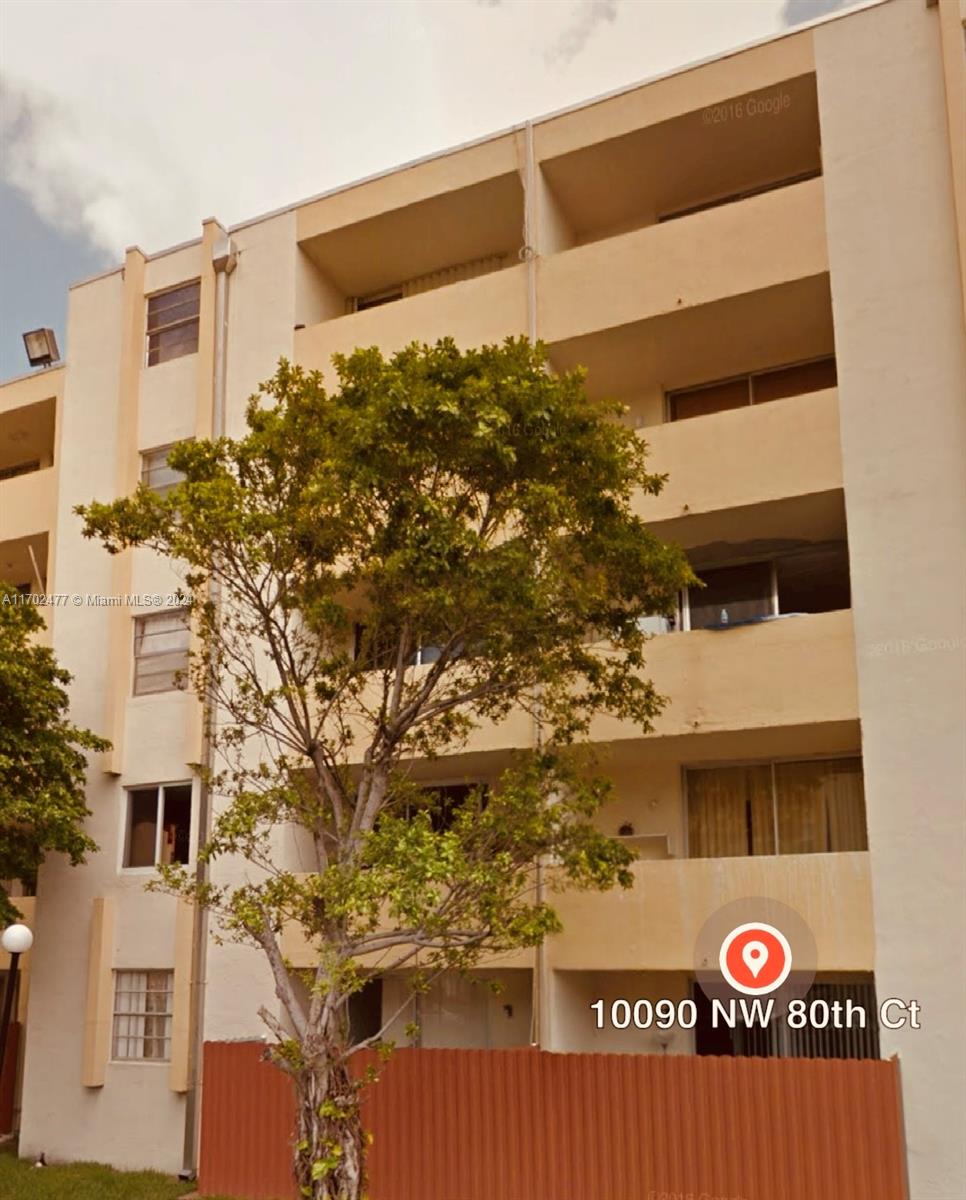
176	824
445	801
364	302
731	595
814	580
744	194
374	649
365	1012
23	468
757	387
778	1041
377	649
142	828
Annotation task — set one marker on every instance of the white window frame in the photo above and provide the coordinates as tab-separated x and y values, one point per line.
417	659
147	468
125	973
140	622
160	789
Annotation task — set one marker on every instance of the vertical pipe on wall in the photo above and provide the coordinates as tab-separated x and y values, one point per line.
531	238
224	260
530	230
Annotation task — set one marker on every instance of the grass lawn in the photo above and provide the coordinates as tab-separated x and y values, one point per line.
20	1180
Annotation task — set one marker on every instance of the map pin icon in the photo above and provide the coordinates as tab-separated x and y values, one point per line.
754	955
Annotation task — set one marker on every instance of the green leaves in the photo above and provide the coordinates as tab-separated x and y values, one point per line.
42	755
447	537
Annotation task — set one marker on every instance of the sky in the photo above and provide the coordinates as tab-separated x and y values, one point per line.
128	122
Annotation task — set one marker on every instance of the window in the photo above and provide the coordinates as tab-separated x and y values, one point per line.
779	1041
745	194
160	651
142	1016
732	595
813	579
155	472
813	806
158	825
377	649
365	1011
24	468
424	655
173	322
444	801
758	387
377	299
456	273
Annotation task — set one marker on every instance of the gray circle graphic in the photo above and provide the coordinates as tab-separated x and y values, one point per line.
754	910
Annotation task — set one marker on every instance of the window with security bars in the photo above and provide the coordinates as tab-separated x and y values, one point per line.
854	1034
172	324
161	643
155	472
852	1037
142	1016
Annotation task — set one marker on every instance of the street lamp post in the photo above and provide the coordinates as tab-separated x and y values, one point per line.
16	940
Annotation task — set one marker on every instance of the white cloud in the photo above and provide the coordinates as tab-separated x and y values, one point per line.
131	122
590	14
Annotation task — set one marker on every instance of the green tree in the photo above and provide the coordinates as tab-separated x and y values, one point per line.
443	539
42	755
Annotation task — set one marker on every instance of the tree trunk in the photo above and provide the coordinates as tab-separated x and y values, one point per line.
329	1140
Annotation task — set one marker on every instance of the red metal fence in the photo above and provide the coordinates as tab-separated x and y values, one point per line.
529	1125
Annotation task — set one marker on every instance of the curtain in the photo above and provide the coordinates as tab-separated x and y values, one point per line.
820	806
730	812
845	798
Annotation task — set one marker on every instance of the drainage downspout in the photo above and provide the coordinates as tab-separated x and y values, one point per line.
538	1021
530	230
224	261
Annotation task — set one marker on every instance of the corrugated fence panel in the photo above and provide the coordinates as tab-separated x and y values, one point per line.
529	1125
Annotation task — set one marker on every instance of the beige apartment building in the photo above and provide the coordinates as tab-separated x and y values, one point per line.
763	256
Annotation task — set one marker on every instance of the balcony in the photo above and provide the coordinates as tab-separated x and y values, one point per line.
24	563
415	232
474	311
746	456
28	504
749	246
737	144
639	363
792	671
654	925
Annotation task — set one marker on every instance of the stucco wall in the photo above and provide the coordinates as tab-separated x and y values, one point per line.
134	1118
902	383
